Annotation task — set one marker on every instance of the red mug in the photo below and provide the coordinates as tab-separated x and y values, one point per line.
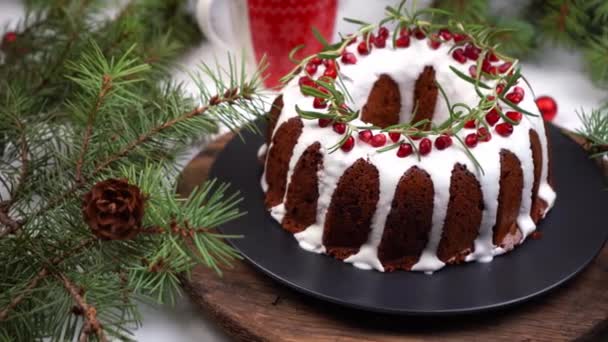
268	27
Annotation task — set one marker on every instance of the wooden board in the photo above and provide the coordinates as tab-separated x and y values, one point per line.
253	307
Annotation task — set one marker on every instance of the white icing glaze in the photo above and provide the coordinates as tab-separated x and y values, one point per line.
404	66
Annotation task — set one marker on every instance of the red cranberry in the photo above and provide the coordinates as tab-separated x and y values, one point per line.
383	32
405	31
486	66
348	145
492	117
404	150
395	136
349	58
324	122
473	71
519	90
419	34
445	34
363	48
403	41
331	72
434	42
547	107
9	37
459	37
339	127
366	136
316	61
311	68
500	88
515	97
306	81
515	116
458	55
370	39
319	103
329	63
505	129
443	141
483	134
504	67
471	140
378	140
380	42
472	52
425	146
469	124
491	57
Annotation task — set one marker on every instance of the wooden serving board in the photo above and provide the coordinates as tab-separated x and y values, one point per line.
253	307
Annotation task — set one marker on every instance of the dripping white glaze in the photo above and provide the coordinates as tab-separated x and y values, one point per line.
404	67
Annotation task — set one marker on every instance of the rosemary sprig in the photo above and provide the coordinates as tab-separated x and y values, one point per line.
334	92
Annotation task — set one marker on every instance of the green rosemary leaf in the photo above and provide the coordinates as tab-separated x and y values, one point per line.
307	114
329	54
339	144
334	46
469	79
335	94
529	86
433	11
505	117
356	21
516	107
319	37
468	152
389	147
310	91
416	151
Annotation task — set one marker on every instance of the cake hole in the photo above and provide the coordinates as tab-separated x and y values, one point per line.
383	107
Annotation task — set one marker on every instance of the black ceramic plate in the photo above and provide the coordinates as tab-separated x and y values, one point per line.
573	233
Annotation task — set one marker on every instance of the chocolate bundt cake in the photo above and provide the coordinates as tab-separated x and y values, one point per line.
432	162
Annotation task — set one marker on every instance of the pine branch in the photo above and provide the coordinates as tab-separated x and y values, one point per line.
18	299
11	224
106	85
91	324
216	101
595	130
103	113
43	273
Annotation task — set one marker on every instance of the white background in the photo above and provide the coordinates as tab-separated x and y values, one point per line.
557	73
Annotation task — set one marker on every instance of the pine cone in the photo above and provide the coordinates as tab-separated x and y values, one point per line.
114	209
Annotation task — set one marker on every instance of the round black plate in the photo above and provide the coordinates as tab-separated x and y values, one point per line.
573	233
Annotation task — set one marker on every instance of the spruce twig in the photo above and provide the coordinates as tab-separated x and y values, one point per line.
106	85
91	323
41	274
103	113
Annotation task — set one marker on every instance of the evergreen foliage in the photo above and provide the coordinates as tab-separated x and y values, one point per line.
83	98
581	24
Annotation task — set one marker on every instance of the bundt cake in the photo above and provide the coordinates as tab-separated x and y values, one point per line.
393	152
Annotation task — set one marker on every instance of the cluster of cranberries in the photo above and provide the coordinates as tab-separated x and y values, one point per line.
330	72
471	52
504	129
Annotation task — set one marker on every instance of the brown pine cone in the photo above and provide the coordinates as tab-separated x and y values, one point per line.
114	209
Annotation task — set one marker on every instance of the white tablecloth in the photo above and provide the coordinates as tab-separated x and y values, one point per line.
557	73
